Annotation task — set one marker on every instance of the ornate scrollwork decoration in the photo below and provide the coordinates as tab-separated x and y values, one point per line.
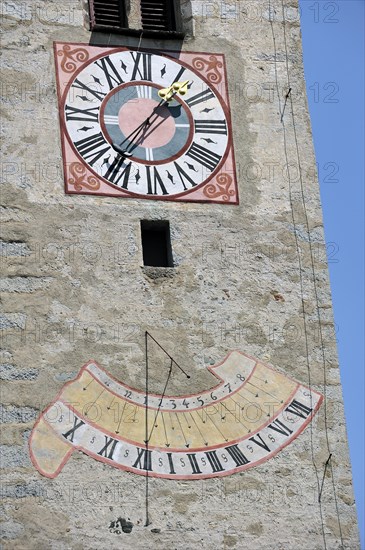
72	57
211	66
222	189
79	179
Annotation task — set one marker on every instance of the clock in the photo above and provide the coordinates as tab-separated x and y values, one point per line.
121	138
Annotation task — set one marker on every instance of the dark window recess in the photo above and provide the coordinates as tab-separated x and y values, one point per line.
107	13
156	243
158	15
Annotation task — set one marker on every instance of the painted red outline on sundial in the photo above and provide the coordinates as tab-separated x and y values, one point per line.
171	458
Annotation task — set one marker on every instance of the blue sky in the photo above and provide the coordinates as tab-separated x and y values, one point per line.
333	43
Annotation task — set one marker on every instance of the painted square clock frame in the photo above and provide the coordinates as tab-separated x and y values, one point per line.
109	102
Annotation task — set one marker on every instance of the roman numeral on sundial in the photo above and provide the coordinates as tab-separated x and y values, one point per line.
298	409
235	452
77	424
155	181
194	463
214	461
146	456
108	450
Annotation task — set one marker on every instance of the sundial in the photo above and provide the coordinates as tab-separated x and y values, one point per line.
251	414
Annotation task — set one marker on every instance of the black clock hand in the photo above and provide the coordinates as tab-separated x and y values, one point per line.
133	135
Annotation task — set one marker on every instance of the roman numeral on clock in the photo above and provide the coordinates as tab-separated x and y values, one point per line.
86	115
210	127
110	71
179	75
157	181
142	66
92	148
78	84
115	172
184	176
200	97
203	156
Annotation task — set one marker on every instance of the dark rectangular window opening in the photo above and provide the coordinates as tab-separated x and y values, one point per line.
158	15
108	14
156	243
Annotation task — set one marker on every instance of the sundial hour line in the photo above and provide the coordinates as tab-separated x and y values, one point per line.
110	405
251	392
242	424
93	403
216	427
186	420
171	422
164	428
197	427
245	398
182	431
261	390
87	385
236	402
120	419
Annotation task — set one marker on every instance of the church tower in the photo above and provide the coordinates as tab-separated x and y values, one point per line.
169	368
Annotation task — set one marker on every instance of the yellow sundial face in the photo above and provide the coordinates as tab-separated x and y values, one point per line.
252	413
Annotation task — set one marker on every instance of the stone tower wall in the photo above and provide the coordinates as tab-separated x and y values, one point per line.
251	277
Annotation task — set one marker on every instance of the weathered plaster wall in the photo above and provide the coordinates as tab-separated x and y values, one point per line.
73	289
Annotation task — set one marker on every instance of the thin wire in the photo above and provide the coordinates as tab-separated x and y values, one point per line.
314	278
140	41
285	102
146	431
301	282
324	475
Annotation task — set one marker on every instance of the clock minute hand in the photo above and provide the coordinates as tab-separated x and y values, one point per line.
147	122
118	147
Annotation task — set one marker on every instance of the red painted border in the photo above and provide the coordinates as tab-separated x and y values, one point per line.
168	476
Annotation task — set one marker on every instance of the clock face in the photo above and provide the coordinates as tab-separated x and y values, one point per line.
174	149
